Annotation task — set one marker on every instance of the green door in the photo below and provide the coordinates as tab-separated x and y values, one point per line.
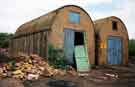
81	57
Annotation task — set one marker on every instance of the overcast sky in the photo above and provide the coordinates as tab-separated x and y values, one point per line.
14	13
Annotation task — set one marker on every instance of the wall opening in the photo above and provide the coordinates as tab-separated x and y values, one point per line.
81	54
79	38
114	25
75	51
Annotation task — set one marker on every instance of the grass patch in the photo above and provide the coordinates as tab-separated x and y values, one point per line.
56	57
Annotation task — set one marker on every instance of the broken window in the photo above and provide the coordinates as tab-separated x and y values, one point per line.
114	25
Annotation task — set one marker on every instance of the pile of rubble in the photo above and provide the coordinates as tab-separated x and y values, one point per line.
104	74
27	68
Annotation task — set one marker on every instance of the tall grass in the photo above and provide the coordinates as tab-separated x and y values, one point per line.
132	47
56	57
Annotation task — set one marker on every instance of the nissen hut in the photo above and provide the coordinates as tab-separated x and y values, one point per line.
112	41
69	29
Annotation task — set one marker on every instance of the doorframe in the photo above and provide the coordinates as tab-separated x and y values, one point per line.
85	48
121	48
83	31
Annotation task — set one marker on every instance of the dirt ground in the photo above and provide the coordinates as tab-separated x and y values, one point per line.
124	77
100	76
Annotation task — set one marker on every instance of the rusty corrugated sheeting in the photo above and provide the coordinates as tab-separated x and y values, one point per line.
38	24
34	37
107	38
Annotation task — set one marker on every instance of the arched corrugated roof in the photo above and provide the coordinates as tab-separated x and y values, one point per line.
111	17
38	24
41	23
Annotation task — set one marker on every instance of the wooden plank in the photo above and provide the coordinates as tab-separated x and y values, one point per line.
14	48
35	43
17	42
20	44
45	45
28	44
31	44
81	58
41	44
38	43
25	42
16	45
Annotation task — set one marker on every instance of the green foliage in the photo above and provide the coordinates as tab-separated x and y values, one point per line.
4	39
132	47
12	64
56	57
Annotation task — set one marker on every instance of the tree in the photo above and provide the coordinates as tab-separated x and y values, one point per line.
132	47
4	39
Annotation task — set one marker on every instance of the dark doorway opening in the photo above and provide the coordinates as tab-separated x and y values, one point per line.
79	38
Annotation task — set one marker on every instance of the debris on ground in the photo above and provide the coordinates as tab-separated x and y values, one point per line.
72	71
26	67
4	55
103	74
111	75
4	51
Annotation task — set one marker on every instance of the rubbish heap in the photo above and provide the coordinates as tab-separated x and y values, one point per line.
26	67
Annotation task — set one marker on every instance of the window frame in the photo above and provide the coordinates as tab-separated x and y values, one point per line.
76	20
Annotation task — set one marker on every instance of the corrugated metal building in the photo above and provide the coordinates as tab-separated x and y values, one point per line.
69	28
112	41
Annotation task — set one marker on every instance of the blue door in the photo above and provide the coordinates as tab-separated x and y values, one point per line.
114	50
69	45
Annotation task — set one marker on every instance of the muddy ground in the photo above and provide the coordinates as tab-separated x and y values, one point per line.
125	77
100	76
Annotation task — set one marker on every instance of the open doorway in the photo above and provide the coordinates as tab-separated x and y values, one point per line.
79	38
80	52
75	50
78	41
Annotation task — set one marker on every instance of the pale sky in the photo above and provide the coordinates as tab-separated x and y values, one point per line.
14	13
